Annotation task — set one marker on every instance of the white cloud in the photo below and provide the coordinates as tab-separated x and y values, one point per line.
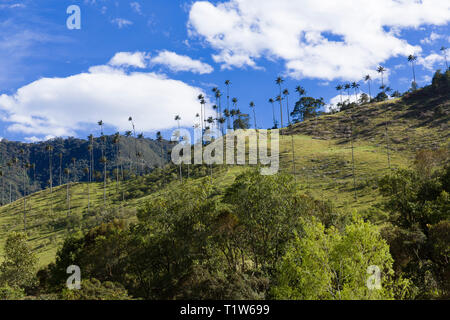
64	106
324	39
429	62
177	63
129	59
432	38
121	22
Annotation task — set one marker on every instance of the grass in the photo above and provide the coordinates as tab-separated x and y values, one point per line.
323	162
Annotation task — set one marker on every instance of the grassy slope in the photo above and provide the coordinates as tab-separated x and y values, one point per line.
322	160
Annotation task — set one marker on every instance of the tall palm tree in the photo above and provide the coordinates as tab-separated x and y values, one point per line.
67	173
87	172
347	87
353	158
444	53
227	84
279	81
227	115
381	70
201	99
103	161
412	58
279	98
286	95
116	142
219	101
233	112
130	119
49	149
252	106
10	164
3	186
271	101
300	90
339	88
177	119
60	168
356	86
368	79
91	156
159	138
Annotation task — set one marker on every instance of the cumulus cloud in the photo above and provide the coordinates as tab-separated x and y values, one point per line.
63	106
177	63
429	62
324	39
432	38
129	59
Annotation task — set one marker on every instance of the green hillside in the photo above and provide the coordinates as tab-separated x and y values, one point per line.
323	167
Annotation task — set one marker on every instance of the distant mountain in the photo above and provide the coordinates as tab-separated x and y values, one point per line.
133	156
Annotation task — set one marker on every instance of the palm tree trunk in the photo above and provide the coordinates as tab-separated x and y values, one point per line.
287	109
281	109
353	159
273	114
387	140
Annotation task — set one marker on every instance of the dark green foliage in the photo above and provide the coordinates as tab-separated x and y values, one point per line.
195	242
306	107
72	148
92	289
419	203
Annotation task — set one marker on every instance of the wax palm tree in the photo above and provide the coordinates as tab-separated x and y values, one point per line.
252	106
116	142
227	84
159	138
368	79
60	168
219	101
67	173
271	101
227	115
300	90
49	149
412	58
91	156
353	157
233	112
347	87
10	164
279	98
87	172
177	119
103	161
130	119
140	154
444	53
381	70
339	88
286	95
356	86
279	81
3	187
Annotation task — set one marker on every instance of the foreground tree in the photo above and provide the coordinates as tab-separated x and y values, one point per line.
19	263
412	58
327	264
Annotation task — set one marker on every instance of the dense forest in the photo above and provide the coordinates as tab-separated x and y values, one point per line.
33	161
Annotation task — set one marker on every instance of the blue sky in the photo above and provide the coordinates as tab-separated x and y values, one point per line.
149	59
